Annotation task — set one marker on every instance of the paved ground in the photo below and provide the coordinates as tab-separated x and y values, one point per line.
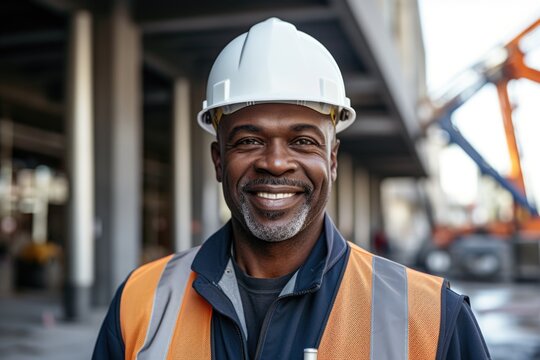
31	325
509	315
31	328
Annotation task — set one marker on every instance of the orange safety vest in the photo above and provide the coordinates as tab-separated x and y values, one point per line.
382	310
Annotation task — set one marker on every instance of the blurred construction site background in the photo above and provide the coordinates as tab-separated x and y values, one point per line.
102	166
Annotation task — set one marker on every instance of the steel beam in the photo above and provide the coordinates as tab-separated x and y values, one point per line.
207	22
364	25
372	125
39	141
31	98
62	6
357	85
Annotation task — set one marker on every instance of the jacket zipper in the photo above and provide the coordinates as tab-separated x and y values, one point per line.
242	340
270	312
239	332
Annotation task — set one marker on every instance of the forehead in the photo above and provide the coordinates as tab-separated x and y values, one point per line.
275	116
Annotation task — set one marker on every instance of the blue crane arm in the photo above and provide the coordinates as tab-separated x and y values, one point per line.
457	138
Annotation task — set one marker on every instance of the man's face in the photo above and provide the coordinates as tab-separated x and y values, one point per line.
277	163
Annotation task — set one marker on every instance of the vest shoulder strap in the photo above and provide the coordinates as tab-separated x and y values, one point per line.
347	332
425	299
383	310
161	315
136	304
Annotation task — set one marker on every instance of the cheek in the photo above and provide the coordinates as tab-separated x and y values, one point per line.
230	194
233	173
320	173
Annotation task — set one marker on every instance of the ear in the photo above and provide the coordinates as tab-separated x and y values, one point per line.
216	159
333	160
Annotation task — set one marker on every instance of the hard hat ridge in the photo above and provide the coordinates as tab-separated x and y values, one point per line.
275	63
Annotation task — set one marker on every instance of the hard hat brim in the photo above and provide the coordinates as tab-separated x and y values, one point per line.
343	121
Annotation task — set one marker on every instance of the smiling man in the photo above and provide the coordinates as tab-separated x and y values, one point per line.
278	280
277	163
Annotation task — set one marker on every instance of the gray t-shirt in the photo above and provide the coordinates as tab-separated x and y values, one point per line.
257	295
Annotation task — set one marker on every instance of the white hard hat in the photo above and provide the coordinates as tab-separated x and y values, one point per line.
275	63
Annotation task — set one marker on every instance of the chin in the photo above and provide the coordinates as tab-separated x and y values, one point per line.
277	226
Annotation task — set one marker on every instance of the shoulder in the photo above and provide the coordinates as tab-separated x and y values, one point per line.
130	309
358	251
376	263
136	300
461	337
141	284
359	256
110	344
140	287
146	273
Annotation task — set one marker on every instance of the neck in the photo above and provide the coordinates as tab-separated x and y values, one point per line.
263	259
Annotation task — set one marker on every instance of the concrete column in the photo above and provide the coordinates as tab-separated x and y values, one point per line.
198	155
411	47
80	153
362	213
345	195
182	165
118	146
206	193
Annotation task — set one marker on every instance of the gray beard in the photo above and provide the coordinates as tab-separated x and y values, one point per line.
274	233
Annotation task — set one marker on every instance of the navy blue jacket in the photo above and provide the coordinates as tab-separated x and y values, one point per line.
295	321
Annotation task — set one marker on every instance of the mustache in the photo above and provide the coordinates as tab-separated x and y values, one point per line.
308	189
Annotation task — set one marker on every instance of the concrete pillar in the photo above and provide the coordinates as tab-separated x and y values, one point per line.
118	146
182	165
345	196
206	193
362	213
411	47
80	156
198	155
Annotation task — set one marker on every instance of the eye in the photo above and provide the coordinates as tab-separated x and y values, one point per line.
248	141
304	141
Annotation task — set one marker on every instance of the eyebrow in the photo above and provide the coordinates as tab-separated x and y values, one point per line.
237	129
255	129
302	127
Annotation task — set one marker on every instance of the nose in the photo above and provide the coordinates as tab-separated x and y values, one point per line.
276	159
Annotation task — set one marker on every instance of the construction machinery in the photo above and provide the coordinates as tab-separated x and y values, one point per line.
500	249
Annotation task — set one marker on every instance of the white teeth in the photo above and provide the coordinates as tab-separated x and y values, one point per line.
274	196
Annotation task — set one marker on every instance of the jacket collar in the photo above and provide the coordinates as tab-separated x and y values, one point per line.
214	255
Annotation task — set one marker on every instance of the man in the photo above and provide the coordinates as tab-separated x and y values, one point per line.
279	278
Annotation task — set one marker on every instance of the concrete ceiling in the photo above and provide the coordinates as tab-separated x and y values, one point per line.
183	40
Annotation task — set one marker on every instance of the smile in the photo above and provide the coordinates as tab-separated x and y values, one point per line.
274	196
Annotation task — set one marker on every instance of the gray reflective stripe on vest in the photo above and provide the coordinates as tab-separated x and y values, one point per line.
167	302
389	311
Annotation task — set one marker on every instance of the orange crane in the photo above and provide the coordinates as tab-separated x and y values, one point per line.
499	248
